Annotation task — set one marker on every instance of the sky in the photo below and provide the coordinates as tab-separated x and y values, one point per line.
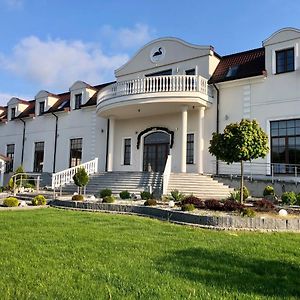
49	44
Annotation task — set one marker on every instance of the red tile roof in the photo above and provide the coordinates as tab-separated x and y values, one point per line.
248	64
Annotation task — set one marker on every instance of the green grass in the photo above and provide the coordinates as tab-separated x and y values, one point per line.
56	254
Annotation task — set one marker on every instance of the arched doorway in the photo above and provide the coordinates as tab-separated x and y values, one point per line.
156	151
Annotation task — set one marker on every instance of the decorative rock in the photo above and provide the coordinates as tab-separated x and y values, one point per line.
75	193
92	198
283	213
23	203
171	203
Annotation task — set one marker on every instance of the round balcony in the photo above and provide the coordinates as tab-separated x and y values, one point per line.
152	96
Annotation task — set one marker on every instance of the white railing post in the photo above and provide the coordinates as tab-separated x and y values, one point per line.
166	174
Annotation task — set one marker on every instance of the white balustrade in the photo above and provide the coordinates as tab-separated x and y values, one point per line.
64	177
155	84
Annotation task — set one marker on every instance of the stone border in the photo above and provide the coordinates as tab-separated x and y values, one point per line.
215	222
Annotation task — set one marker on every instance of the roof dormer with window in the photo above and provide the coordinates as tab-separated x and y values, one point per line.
81	93
15	107
44	101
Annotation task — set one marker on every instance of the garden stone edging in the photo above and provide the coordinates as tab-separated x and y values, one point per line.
217	222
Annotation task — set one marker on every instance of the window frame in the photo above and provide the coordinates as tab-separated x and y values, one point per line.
124	162
190	162
12	113
38	168
9	166
284	51
77	104
41	108
72	150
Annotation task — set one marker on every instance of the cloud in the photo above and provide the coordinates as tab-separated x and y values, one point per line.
4	98
128	38
14	4
56	63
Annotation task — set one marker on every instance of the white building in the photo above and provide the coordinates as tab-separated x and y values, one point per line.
167	100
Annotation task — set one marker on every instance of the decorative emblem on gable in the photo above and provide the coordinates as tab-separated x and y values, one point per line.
157	54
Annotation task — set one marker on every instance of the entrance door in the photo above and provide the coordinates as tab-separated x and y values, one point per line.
156	150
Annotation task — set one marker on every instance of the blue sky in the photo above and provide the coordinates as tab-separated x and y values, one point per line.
51	44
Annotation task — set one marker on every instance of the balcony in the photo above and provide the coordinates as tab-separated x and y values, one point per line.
131	95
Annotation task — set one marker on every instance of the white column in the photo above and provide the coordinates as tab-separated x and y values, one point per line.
110	154
183	138
200	139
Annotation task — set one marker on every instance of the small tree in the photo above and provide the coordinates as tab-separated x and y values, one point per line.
238	143
81	179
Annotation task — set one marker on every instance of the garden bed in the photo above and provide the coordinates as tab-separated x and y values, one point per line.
203	218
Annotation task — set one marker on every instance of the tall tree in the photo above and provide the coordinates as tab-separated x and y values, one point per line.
243	141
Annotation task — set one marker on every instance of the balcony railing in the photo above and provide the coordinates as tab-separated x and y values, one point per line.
155	84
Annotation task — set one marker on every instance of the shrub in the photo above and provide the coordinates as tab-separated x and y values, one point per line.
29	185
105	192
38	200
176	195
289	198
125	195
11	202
81	178
109	199
230	205
234	196
146	195
150	202
188	207
248	212
246	193
264	205
193	200
298	199
77	198
213	204
269	190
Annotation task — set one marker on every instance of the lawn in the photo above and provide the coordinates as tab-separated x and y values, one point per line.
57	254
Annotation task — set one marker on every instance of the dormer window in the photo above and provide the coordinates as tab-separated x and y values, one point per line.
285	61
232	71
41	107
13	112
78	99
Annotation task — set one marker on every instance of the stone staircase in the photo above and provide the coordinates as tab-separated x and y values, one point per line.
202	186
133	182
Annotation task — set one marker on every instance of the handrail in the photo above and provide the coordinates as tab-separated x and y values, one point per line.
23	175
154	84
166	174
256	169
64	177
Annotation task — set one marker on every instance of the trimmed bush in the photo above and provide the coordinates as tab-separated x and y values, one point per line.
248	212
289	198
213	204
105	192
145	195
230	205
198	203
246	193
150	202
38	200
264	205
176	195
108	199
81	178
77	198
269	190
11	202
125	195
188	207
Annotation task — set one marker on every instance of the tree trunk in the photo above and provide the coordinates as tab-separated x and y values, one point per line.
242	182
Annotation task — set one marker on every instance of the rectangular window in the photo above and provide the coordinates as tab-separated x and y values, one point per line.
10	153
127	151
75	152
38	157
78	99
190	72
13	112
285	61
285	146
190	149
41	107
